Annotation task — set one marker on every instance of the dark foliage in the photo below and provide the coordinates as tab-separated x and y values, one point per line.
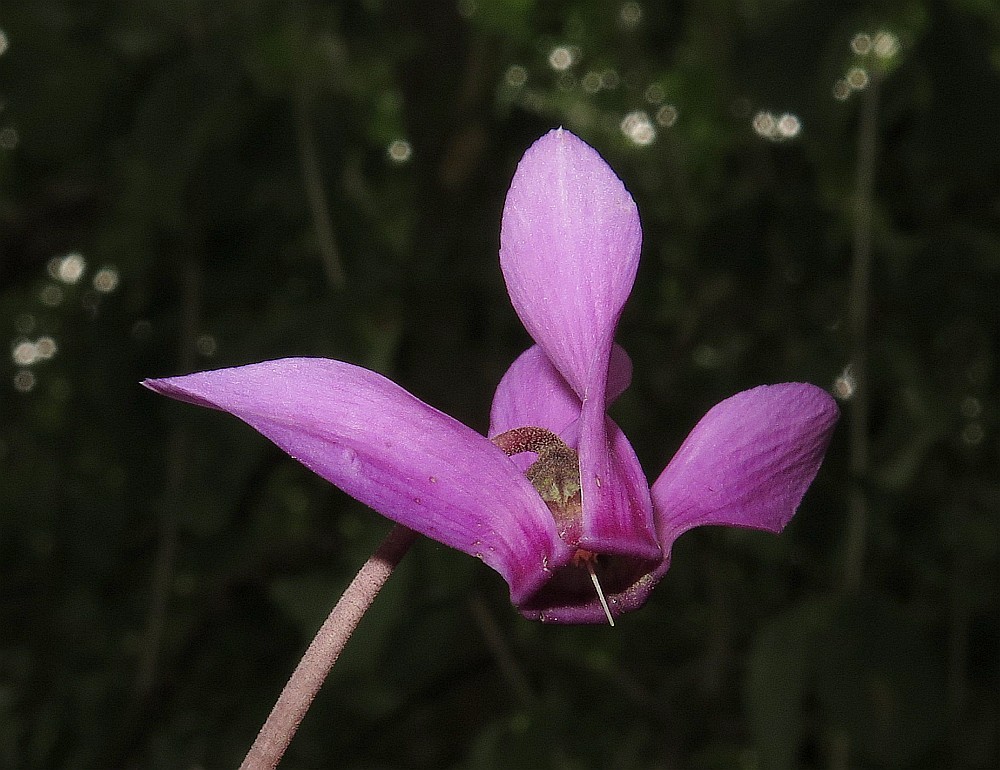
186	185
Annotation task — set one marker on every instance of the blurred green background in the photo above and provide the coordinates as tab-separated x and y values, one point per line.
188	184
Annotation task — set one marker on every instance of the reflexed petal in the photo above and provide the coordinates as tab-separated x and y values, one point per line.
392	452
619	374
748	462
532	392
569	249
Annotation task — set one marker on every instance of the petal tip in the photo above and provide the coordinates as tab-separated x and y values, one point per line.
749	461
160	385
570	240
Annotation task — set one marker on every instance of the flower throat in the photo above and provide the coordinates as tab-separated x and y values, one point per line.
555	475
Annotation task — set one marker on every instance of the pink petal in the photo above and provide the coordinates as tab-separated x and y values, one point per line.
392	452
618	525
618	514
569	249
617	510
533	393
748	462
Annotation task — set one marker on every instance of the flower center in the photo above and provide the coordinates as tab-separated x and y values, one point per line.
555	474
556	477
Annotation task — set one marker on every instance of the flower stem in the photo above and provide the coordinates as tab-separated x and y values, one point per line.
329	642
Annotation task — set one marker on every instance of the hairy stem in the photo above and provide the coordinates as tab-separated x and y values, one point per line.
329	642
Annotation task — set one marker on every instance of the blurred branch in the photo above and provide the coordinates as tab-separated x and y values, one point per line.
501	652
959	622
312	178
859	311
177	454
248	574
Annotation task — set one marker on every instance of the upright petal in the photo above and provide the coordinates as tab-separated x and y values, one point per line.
748	462
392	452
569	250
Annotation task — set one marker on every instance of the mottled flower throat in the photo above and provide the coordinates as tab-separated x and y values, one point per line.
556	477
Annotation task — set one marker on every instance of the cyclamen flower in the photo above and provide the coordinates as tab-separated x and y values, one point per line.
555	499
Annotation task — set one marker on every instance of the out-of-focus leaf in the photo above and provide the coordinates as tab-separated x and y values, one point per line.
880	684
779	681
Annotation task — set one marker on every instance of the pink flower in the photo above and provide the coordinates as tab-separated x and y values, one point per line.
555	500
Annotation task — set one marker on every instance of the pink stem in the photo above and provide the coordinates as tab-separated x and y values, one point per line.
308	677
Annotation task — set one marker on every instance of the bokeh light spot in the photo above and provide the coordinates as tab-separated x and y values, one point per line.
789	126
666	116
777	128
516	75
861	43
886	45
630	15
106	280
560	58
399	151
638	128
857	78
846	384
45	348
68	269
25	353
25	381
764	124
